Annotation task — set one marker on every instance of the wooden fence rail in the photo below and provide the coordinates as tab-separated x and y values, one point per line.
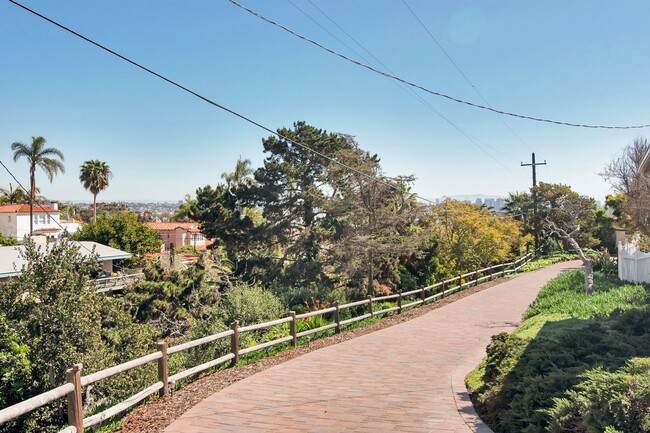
72	389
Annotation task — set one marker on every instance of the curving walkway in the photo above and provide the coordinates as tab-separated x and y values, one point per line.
406	378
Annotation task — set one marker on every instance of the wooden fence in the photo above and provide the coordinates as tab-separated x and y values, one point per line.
72	389
633	264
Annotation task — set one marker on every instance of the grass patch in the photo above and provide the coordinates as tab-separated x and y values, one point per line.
565	294
574	356
544	261
474	380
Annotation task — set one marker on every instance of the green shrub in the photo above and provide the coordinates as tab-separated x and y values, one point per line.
312	322
604	263
571	349
606	401
250	305
187	249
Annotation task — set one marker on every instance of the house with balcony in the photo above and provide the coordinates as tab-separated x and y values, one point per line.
180	234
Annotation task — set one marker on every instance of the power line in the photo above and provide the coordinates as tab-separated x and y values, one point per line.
325	29
236	114
460	71
479	144
432	92
215	104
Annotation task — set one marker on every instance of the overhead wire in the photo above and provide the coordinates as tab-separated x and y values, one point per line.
217	105
460	71
425	89
476	142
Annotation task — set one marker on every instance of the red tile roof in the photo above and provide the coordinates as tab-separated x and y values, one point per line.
24	208
190	227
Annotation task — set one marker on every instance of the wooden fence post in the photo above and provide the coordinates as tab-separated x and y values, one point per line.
292	328
503	271
443	287
75	405
399	302
460	281
337	318
370	305
475	278
163	372
423	295
234	343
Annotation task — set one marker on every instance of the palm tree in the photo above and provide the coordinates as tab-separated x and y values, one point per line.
16	196
518	205
49	159
94	176
187	210
240	176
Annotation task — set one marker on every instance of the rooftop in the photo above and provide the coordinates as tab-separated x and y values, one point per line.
24	208
12	261
191	227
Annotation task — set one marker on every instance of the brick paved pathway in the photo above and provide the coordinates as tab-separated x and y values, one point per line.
406	378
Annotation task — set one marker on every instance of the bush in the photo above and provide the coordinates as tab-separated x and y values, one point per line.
52	320
121	231
250	305
567	363
604	263
606	401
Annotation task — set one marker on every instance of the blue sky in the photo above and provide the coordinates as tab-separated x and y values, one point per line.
579	61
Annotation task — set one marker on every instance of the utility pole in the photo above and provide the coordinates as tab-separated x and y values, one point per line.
534	164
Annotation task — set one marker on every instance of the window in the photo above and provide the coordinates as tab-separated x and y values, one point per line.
35	219
41	219
48	219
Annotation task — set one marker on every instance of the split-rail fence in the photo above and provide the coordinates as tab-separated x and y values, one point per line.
74	381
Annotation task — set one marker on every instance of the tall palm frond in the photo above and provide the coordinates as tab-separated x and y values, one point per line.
49	159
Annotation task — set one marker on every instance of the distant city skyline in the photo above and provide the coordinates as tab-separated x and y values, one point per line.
575	61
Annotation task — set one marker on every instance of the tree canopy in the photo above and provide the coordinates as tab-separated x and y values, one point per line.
631	203
301	223
122	231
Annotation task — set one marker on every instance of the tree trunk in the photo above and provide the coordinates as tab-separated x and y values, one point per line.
589	276
590	285
94	208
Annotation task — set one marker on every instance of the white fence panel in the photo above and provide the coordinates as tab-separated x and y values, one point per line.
633	265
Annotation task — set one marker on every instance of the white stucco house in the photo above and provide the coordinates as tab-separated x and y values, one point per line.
14	221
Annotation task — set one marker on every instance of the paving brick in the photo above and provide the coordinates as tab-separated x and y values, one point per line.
406	378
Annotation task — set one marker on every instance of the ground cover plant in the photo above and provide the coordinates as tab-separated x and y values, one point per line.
577	363
542	261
